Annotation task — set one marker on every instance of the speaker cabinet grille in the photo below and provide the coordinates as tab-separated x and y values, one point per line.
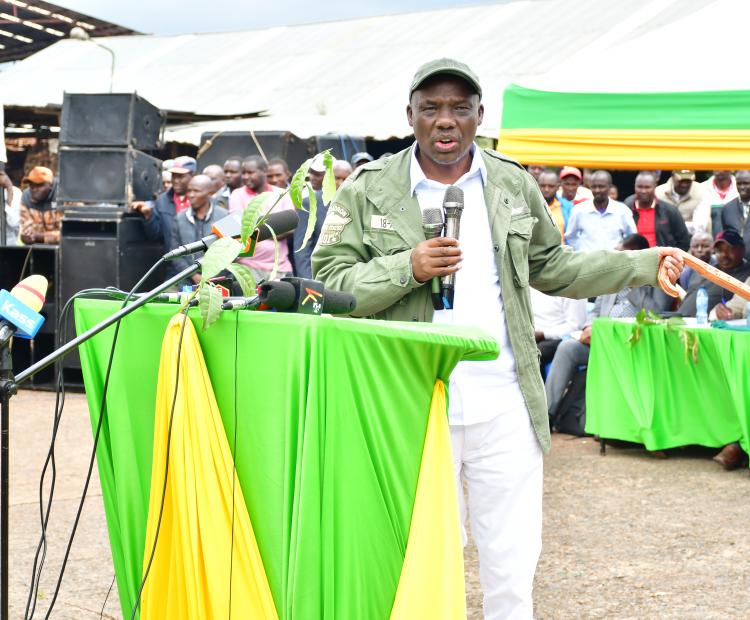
107	175
110	120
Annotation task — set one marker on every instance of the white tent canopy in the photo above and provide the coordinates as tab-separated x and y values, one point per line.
700	50
349	76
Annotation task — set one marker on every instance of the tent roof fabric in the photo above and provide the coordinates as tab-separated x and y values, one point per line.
349	76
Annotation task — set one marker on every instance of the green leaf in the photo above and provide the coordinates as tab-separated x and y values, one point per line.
312	217
251	215
209	303
245	278
275	269
298	182
220	255
329	180
640	316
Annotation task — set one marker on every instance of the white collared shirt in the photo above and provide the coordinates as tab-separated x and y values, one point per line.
479	391
588	229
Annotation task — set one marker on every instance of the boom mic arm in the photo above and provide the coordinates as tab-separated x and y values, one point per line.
282	222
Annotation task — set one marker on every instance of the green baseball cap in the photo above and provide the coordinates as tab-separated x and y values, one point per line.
447	66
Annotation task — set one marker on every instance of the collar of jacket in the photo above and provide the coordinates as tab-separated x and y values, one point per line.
190	214
389	193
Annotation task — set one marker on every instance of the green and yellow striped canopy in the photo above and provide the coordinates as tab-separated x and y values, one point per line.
701	130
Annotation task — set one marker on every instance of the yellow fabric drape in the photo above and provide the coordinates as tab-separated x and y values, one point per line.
621	149
190	573
432	578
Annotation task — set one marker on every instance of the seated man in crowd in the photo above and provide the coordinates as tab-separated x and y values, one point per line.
194	223
735	214
701	246
729	249
341	171
255	182
572	354
601	223
658	221
278	173
40	219
572	190
554	319
683	192
549	184
302	256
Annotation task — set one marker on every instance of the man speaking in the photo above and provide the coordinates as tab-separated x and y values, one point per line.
373	245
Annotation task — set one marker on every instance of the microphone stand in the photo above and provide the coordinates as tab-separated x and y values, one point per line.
9	387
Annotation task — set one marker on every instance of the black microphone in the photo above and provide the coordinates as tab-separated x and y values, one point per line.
432	225
305	296
453	206
282	222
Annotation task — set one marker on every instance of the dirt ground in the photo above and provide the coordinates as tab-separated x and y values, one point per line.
625	536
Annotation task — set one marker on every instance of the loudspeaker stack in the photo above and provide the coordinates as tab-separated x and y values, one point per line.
102	170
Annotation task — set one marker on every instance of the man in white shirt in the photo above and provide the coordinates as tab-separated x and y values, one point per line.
601	223
717	191
554	319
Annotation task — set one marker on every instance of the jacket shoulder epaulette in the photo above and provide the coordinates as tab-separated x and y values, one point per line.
377	164
503	157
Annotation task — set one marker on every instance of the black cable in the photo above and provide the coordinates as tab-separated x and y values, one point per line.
61	336
166	468
106	598
234	456
102	413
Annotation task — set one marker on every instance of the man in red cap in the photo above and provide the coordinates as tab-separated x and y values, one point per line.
571	187
40	219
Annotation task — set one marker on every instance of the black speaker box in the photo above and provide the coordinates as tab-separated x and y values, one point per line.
216	148
110	120
107	175
99	253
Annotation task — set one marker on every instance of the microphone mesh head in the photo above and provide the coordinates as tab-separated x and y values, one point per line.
454	194
432	215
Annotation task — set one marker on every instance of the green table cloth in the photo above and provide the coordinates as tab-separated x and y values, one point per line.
331	420
650	394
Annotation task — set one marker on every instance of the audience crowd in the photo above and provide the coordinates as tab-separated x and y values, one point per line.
708	219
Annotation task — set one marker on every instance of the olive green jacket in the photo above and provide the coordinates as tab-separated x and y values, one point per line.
373	223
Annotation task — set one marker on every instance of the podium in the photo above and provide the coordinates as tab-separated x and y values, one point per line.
331	416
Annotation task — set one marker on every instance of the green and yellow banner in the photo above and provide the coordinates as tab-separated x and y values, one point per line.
704	130
309	469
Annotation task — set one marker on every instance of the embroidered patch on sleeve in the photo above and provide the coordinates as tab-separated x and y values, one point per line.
336	220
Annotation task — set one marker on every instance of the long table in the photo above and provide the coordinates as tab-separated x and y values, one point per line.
649	393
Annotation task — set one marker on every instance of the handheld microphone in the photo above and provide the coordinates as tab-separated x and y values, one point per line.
305	296
281	222
19	309
453	206
432	226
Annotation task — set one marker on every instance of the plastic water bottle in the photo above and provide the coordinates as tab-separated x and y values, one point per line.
701	307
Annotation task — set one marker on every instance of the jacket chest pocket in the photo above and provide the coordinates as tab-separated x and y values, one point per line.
383	242
519	236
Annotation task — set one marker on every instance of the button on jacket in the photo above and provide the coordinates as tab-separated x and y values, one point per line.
375	221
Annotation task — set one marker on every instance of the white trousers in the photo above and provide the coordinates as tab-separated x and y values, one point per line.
501	462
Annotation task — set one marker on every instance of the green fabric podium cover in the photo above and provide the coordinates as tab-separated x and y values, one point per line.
331	418
650	394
